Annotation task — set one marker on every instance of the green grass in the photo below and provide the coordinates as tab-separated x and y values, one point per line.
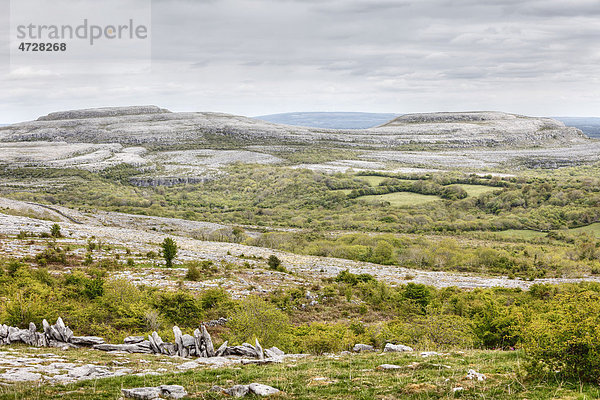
401	199
593	229
525	234
345	191
342	377
373	180
476	190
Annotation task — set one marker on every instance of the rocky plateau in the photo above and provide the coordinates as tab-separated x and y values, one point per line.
188	147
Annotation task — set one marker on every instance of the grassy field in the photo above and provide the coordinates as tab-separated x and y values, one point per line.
373	180
401	199
593	229
345	191
476	190
525	234
342	377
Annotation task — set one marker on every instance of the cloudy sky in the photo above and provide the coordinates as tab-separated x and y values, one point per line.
254	57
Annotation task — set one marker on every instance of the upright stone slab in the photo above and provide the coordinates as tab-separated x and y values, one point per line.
198	342
46	327
189	344
178	341
210	348
153	345
158	342
259	350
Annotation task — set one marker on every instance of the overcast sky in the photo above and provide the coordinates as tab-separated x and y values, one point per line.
254	57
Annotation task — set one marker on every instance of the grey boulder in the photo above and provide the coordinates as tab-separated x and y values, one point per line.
397	348
358	348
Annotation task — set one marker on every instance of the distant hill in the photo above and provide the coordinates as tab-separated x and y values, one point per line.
330	120
151	125
588	125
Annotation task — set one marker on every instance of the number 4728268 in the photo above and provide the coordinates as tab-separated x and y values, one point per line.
42	46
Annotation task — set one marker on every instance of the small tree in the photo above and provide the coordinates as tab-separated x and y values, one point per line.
55	231
169	250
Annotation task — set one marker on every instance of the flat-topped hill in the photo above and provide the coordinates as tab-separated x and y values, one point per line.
481	128
153	125
103	113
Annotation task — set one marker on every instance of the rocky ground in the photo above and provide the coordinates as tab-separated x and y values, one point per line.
55	366
245	265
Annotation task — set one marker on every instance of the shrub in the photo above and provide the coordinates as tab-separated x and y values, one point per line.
255	318
319	338
94	288
495	324
197	269
418	293
436	331
181	308
55	231
275	263
564	338
121	305
13	267
51	254
193	273
211	298
353	279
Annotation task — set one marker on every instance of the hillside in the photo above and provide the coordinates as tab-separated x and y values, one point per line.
193	147
330	120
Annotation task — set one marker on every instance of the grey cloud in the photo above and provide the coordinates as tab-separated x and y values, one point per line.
379	55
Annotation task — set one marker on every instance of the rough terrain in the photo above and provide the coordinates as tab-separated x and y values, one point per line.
197	145
122	231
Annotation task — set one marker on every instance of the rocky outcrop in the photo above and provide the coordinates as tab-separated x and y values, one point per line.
150	393
199	344
257	389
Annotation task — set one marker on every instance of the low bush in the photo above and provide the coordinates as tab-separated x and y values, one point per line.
564	338
254	318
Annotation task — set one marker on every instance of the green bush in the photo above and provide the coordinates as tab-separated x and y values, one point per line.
255	318
564	338
274	263
419	294
94	288
319	338
193	273
55	231
215	303
197	269
181	308
353	279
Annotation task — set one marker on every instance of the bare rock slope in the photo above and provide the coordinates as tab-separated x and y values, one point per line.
153	125
467	129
